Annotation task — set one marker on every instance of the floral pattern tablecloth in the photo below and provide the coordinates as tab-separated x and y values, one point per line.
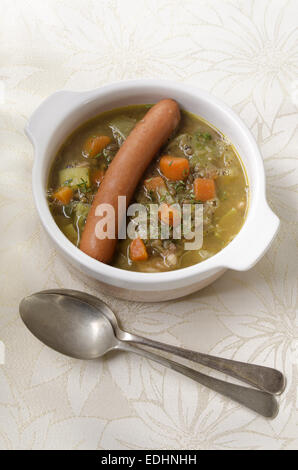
244	52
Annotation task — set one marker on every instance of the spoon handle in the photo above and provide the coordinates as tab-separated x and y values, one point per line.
264	378
261	402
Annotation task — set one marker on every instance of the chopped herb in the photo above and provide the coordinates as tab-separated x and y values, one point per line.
195	201
179	186
203	136
83	186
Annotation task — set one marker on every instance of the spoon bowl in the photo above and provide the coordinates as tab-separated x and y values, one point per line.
68	324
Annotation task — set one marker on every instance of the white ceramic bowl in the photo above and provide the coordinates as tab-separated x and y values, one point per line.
64	111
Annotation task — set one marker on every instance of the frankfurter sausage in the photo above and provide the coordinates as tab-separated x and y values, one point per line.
125	172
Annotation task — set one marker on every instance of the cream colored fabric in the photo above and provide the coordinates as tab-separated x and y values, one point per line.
244	52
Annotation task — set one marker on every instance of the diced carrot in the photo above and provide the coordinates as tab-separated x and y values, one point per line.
174	168
204	189
95	144
97	176
168	215
137	251
154	184
64	195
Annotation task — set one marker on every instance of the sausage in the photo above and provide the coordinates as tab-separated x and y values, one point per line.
125	172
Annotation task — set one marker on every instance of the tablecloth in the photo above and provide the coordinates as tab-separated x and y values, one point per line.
244	52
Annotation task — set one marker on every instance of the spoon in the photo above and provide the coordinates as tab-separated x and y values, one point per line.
73	326
265	378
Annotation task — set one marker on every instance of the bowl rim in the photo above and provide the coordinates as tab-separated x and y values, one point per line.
123	278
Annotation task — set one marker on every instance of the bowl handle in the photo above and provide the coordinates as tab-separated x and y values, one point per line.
259	236
48	111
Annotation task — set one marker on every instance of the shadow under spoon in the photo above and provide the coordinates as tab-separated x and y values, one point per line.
79	328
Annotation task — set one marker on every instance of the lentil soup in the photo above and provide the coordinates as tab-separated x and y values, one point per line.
197	165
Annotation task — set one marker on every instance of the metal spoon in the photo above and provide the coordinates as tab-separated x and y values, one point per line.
265	378
75	327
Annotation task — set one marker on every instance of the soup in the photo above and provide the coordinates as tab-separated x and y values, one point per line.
196	166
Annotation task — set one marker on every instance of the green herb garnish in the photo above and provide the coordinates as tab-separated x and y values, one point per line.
83	186
179	186
203	136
